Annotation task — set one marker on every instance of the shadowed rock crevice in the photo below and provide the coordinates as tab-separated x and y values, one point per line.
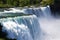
3	34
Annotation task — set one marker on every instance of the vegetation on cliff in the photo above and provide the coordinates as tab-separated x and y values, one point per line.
21	3
46	2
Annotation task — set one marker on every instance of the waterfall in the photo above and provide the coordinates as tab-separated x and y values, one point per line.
38	26
50	26
24	27
21	28
46	11
35	11
39	11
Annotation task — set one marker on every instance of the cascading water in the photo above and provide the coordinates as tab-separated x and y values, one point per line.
42	27
39	12
21	28
48	24
46	11
35	11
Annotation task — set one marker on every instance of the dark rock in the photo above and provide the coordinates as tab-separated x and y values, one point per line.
56	5
55	8
2	34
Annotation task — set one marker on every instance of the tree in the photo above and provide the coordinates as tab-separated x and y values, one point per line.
47	2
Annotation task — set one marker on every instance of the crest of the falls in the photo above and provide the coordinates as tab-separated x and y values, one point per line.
21	28
39	26
46	11
35	11
12	10
39	11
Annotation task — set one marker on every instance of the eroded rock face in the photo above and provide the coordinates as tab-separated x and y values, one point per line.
55	8
56	5
2	34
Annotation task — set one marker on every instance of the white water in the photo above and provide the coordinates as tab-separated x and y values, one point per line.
42	27
50	29
50	26
21	28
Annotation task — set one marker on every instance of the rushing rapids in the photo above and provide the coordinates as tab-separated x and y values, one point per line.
41	25
21	28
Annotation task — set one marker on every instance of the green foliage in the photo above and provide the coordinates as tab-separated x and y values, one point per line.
15	3
18	3
46	2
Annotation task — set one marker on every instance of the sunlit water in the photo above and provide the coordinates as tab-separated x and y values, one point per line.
50	29
39	26
21	28
49	25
